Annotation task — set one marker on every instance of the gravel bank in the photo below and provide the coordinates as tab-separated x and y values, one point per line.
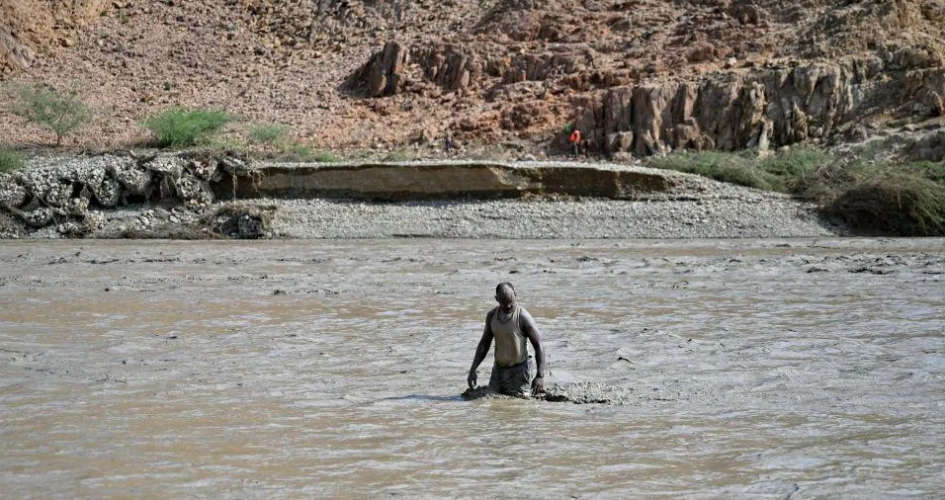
753	215
695	207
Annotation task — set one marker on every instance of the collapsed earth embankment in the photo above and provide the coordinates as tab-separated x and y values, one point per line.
194	195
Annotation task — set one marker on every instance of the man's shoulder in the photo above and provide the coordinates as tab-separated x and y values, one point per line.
524	317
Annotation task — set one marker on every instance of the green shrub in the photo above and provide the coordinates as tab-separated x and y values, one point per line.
734	168
870	194
60	112
796	164
892	199
930	170
10	160
300	152
268	133
182	127
219	143
786	172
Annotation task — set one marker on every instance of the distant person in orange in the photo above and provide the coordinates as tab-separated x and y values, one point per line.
575	141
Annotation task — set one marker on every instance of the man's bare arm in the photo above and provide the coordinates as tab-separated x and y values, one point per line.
534	336
481	350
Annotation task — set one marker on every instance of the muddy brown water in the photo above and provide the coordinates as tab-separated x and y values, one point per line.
763	369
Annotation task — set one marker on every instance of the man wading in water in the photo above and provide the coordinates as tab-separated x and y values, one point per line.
510	324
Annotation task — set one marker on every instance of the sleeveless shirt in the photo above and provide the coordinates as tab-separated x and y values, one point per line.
510	347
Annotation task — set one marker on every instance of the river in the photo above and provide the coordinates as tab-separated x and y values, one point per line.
748	368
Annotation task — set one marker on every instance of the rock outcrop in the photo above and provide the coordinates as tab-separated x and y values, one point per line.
447	65
386	73
383	74
453	67
761	108
538	63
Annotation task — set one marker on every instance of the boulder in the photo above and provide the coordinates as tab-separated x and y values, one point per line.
619	141
929	147
242	221
39	217
447	65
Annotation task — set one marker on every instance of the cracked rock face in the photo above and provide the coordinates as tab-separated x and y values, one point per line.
382	75
727	110
647	77
758	109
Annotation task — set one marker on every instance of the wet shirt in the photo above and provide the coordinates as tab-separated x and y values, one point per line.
510	347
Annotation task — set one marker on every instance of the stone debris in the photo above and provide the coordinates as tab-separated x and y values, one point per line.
71	193
243	221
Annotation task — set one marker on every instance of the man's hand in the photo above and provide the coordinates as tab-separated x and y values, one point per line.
538	385
471	379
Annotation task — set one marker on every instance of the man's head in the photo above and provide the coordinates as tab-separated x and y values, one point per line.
505	296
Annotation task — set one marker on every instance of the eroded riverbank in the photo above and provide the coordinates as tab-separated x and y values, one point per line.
193	196
753	367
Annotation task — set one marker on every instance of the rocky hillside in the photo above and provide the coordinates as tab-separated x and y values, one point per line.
636	76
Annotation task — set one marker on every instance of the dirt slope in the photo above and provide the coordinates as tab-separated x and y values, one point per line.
508	72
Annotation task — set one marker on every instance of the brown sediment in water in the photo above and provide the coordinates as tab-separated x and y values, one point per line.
746	367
